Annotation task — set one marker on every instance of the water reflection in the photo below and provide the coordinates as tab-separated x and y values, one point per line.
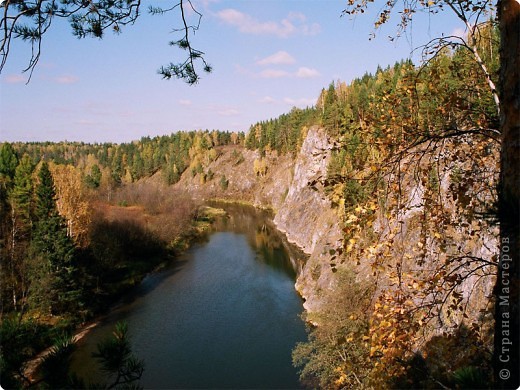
257	225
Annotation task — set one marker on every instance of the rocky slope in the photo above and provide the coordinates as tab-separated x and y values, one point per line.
420	222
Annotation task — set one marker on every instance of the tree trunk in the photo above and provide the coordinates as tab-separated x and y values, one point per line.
13	259
507	326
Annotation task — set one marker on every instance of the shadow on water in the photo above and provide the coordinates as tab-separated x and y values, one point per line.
225	316
150	282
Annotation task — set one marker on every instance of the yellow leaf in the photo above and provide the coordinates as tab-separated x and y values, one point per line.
386	324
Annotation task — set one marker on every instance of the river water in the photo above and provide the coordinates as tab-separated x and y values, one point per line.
225	316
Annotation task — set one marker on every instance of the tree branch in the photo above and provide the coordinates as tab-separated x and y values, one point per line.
30	20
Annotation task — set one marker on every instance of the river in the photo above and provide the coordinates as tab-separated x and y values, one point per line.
225	315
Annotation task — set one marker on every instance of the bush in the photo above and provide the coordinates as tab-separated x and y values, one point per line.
354	192
336	353
238	157
224	183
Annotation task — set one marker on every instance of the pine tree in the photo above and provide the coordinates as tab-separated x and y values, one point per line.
21	194
331	110
8	161
117	359
54	283
94	179
19	199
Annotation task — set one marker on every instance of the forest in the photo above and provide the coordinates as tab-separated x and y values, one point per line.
79	229
81	223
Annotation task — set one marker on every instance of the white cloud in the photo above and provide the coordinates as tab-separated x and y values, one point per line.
273	74
459	32
306	73
301	102
278	58
243	71
301	73
222	109
14	79
207	3
127	113
267	100
306	29
229	112
66	79
295	23
185	102
101	108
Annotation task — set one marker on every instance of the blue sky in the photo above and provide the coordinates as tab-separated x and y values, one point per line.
268	56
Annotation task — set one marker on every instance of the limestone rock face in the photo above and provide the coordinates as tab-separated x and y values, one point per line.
304	215
307	218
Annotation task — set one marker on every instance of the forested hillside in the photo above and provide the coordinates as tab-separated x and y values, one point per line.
402	300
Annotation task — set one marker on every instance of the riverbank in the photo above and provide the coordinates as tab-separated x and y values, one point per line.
31	368
191	322
199	227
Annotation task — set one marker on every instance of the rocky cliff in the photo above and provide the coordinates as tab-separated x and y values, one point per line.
417	231
308	219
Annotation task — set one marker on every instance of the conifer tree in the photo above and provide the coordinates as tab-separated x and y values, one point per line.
54	283
19	199
331	109
21	194
8	161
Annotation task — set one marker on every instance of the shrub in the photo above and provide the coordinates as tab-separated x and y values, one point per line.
224	183
336	353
